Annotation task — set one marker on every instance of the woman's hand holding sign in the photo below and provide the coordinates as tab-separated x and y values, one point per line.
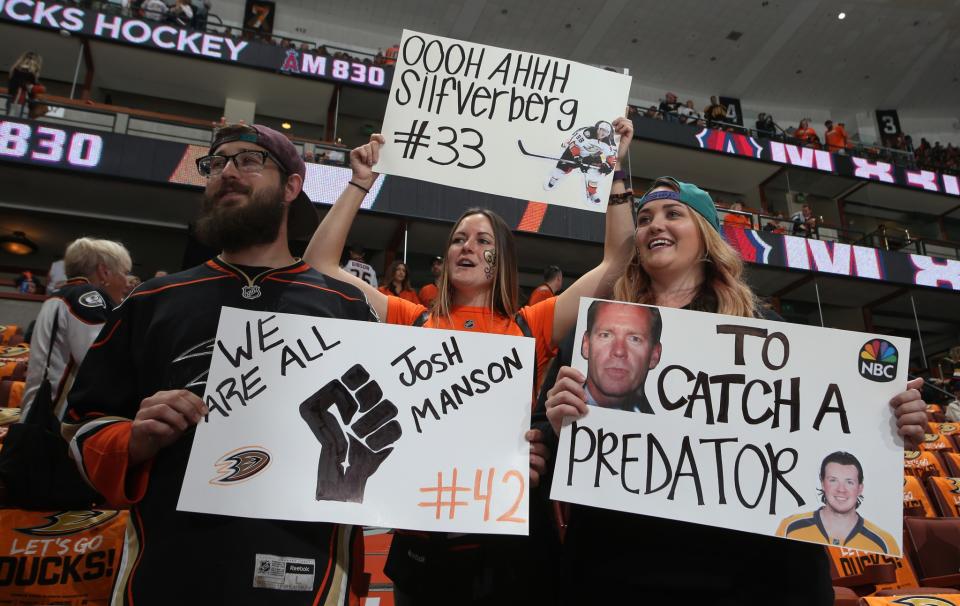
910	410
566	398
624	128
363	158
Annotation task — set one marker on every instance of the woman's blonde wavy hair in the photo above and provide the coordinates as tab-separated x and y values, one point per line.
722	290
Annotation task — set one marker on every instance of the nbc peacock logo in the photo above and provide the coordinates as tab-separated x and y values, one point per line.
878	361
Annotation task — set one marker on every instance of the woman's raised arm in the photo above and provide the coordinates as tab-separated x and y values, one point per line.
323	252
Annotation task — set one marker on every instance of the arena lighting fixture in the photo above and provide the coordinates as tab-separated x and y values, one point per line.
842	16
18	244
286	126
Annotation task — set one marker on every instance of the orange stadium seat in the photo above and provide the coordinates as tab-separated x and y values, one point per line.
7	331
914	595
935	413
844	596
932	545
936	441
922	464
916	502
946	494
952	463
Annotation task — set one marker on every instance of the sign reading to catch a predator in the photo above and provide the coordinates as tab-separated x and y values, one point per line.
503	122
766	427
319	419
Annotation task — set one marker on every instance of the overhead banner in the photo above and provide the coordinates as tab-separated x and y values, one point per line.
167	37
502	122
765	427
746	145
317	419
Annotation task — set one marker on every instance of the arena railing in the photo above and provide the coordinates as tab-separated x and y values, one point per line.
856	147
884	238
156	125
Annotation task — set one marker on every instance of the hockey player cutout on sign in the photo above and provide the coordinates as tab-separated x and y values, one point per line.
741	423
318	419
503	122
592	152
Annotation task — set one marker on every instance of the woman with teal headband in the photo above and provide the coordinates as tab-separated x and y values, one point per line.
680	260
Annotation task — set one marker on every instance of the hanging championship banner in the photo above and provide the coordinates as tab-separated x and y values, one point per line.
766	427
318	419
503	122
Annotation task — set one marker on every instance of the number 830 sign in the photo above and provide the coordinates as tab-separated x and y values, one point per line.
49	145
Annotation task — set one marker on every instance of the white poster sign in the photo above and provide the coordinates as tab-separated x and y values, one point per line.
317	419
766	427
504	122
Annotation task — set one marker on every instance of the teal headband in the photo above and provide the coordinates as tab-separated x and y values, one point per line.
688	194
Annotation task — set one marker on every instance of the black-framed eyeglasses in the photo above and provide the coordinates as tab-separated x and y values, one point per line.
247	161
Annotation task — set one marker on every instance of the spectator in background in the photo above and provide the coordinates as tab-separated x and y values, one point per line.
398	283
689	114
668	108
715	112
552	283
132	282
155	9
835	137
652	113
26	283
24	75
309	157
181	13
806	134
765	126
56	276
358	266
804	222
429	292
390	57
97	271
738	220
774	226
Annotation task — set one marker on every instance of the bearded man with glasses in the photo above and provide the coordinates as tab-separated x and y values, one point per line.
133	408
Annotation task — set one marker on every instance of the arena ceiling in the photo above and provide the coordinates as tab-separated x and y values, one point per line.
885	53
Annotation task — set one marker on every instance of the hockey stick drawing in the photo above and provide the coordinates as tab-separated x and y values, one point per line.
524	151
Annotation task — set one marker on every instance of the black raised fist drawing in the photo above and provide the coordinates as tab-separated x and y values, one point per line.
348	460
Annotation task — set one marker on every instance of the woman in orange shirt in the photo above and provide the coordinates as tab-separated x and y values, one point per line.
478	291
806	134
398	284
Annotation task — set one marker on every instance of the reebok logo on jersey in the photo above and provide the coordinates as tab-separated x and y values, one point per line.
69	522
92	299
240	465
299	568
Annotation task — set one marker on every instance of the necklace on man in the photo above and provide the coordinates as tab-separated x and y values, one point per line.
250	290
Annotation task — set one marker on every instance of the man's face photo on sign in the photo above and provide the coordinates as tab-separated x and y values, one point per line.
842	487
621	345
838	522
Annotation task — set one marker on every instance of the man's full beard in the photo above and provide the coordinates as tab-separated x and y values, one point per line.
231	228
